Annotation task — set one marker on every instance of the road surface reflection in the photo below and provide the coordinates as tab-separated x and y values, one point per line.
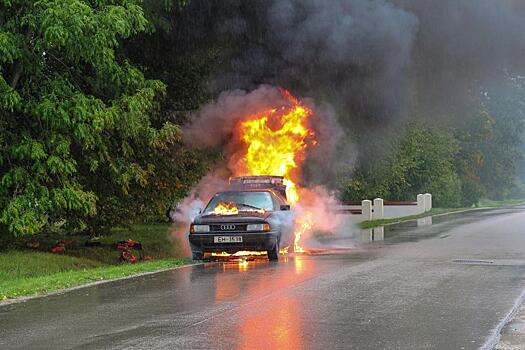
273	322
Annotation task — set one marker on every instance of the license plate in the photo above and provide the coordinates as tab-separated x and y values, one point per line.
227	239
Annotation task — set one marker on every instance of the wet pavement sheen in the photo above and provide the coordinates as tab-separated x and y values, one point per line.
412	287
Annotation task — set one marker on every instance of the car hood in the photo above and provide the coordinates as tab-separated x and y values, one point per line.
241	217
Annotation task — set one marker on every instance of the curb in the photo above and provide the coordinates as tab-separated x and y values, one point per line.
495	335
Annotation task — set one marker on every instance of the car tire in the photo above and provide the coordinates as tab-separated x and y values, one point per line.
196	255
273	255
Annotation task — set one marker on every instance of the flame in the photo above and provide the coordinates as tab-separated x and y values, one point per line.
239	253
276	141
225	209
305	223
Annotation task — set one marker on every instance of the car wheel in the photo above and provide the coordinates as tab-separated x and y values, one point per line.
273	255
196	255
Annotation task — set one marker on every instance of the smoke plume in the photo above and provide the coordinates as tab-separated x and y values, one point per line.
374	61
213	126
351	54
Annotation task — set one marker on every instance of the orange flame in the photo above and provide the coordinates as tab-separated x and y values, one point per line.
304	224
239	253
225	209
276	141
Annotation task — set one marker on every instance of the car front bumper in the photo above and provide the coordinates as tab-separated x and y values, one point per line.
204	243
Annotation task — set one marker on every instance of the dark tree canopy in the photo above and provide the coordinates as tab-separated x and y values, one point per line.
72	111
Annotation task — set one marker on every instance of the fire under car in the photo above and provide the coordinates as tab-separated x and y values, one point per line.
251	215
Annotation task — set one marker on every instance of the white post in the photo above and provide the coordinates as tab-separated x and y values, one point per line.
366	209
378	209
426	221
420	203
428	201
379	233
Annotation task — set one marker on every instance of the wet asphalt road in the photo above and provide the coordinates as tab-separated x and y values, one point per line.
445	286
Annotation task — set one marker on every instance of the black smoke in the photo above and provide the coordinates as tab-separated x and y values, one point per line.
462	46
372	62
352	54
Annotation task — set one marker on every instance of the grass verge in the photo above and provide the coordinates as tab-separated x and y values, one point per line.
25	272
433	211
23	285
487	203
436	211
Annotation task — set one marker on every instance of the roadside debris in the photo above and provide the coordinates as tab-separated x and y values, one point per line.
59	248
126	247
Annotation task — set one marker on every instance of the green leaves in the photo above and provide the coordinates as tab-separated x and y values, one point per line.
10	47
9	98
421	160
75	131
28	149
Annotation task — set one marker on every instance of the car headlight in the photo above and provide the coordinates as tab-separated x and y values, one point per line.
199	228
258	227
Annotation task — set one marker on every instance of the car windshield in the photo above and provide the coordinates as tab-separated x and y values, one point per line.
244	201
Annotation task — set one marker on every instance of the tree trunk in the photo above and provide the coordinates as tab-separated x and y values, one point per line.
17	68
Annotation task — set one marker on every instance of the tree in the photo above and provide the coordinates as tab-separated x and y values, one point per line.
473	137
73	110
503	154
421	160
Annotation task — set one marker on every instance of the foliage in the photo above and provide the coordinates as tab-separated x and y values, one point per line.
503	151
491	142
421	160
473	138
72	109
482	158
160	13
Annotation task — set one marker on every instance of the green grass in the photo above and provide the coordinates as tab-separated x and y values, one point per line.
436	211
62	272
154	238
433	211
498	204
26	272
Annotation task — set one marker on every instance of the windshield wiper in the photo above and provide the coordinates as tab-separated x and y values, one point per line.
247	205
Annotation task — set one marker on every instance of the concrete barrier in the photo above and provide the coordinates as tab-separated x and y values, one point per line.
378	211
366	210
381	209
421	203
428	201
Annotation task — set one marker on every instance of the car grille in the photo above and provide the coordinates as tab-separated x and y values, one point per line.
228	227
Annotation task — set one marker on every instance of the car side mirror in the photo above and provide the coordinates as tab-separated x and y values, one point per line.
285	207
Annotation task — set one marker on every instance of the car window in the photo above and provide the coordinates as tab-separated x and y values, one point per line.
242	200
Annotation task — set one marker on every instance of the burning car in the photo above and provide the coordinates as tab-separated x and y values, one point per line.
251	215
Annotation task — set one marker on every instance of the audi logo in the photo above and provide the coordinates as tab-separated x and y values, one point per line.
227	227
